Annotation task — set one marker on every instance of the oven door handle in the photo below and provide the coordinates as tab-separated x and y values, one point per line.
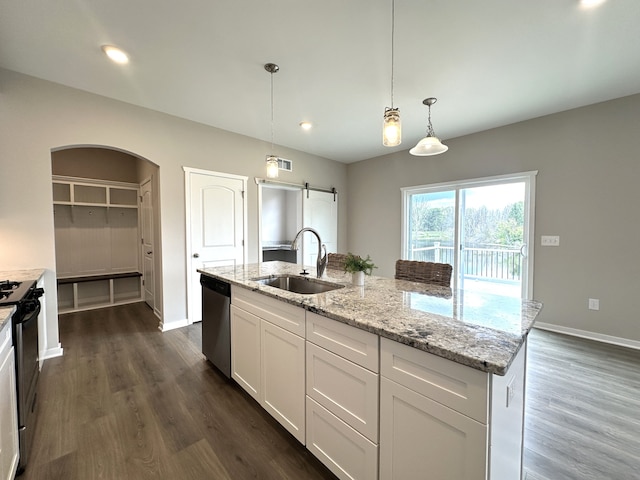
31	315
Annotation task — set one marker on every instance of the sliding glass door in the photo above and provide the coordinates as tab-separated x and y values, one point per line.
481	227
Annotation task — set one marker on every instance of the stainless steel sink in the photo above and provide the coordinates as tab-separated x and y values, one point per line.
298	284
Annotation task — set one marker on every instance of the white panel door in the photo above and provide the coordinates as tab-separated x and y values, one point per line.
320	212
146	215
216	227
419	435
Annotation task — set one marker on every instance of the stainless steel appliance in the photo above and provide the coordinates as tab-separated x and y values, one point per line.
216	337
25	296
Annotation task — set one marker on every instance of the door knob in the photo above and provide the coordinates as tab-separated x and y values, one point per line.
196	255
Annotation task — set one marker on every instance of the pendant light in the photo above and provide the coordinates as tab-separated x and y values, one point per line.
429	145
272	160
391	127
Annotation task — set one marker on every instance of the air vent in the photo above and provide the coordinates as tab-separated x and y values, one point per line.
284	164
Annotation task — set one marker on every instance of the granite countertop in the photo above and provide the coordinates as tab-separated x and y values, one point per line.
5	315
26	275
480	330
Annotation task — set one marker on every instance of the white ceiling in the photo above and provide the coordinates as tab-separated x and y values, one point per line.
489	63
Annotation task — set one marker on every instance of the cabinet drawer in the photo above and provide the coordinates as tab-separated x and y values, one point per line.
349	342
278	312
345	452
345	389
457	386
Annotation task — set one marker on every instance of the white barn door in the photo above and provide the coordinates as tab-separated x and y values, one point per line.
320	212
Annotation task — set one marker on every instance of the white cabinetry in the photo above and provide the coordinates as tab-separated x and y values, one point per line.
8	406
267	356
444	418
342	397
97	243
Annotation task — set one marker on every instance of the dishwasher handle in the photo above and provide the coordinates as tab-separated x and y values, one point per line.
218	286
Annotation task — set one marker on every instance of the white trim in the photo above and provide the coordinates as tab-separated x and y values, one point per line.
598	337
166	326
214	174
497	179
52	352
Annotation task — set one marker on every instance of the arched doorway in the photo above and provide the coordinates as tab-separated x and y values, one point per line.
106	218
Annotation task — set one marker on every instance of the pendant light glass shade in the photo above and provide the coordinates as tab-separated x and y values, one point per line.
272	166
429	145
391	128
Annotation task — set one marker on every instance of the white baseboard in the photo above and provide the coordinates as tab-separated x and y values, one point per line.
598	337
52	352
165	327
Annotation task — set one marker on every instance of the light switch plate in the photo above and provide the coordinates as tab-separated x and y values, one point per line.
550	241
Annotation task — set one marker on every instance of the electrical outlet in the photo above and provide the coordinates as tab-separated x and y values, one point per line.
550	241
594	304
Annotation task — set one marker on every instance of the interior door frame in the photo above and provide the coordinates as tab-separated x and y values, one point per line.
529	178
188	247
149	181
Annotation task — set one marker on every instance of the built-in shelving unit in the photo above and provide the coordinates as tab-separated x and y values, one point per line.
97	243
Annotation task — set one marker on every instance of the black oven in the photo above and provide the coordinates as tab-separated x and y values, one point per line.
25	297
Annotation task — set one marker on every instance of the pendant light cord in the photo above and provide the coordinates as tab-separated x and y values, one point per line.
271	113
393	32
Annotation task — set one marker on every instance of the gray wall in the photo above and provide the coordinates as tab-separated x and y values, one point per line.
37	117
587	193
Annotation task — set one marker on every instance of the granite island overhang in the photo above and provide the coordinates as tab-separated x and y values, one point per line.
480	330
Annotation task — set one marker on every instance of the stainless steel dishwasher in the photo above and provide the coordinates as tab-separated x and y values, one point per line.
216	338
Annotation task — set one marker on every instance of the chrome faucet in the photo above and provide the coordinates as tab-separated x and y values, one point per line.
321	262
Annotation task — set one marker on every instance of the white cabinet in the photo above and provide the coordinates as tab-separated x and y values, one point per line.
421	438
282	363
245	350
267	356
342	397
448	419
8	407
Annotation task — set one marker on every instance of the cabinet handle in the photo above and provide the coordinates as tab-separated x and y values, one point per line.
196	255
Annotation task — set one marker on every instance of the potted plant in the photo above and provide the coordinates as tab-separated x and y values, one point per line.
358	267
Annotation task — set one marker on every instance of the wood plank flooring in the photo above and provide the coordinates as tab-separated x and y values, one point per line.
129	402
582	413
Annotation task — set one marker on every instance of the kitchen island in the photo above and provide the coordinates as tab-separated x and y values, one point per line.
389	380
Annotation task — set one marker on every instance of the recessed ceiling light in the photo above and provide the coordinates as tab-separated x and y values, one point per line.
115	54
591	3
306	125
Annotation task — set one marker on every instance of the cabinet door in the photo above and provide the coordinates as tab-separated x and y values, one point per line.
245	350
421	438
283	378
8	415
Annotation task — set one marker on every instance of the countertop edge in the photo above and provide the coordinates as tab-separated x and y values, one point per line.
467	359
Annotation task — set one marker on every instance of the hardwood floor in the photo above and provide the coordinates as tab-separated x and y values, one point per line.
129	402
582	415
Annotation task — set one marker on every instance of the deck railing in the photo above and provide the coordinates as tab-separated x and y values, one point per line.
493	263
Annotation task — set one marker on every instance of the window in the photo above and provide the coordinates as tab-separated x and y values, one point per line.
481	227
